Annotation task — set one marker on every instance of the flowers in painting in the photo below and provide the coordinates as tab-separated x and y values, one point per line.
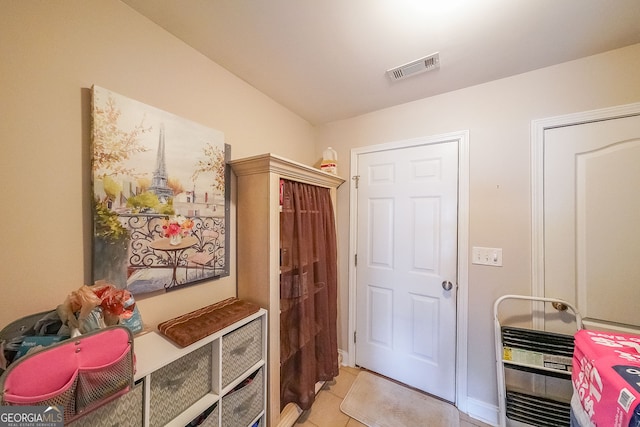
177	225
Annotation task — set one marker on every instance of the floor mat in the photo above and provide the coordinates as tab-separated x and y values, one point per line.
378	402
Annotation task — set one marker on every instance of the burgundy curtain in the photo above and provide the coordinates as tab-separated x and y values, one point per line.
308	292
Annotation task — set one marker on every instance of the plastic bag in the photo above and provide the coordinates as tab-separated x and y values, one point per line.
77	308
118	306
98	306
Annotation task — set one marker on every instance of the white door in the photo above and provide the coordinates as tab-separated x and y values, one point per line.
407	261
592	221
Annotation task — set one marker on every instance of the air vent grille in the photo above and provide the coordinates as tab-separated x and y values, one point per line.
418	66
537	411
538	341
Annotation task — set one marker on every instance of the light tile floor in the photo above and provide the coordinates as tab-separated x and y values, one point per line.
325	412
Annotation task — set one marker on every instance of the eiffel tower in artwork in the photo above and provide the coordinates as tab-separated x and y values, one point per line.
160	178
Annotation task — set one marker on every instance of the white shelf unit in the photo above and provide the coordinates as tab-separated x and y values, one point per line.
155	353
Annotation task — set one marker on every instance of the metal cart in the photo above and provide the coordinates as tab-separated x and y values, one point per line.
537	352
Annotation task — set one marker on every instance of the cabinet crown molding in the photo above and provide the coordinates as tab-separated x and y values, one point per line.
287	169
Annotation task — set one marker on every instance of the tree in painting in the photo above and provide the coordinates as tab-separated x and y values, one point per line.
112	146
213	163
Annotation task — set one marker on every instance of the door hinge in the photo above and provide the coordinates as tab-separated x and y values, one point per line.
356	179
354	337
355	259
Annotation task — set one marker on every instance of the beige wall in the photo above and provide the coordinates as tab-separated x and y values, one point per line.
498	116
52	53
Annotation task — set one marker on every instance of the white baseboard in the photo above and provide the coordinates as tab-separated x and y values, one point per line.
482	411
343	357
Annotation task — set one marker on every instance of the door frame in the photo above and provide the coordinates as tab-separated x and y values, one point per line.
538	129
462	138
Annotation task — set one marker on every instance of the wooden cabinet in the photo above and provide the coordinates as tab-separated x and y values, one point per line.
222	375
258	213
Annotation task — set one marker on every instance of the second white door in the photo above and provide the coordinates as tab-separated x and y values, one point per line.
406	287
591	233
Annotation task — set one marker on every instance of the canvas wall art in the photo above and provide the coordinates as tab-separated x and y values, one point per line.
160	196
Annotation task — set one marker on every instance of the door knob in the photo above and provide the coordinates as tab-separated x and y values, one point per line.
559	306
447	285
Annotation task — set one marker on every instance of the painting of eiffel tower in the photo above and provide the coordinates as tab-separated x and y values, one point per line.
160	178
149	166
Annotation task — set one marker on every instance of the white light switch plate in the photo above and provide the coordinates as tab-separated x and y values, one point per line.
487	256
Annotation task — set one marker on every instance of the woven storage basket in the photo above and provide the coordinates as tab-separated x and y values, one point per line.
242	406
179	385
212	419
241	349
125	411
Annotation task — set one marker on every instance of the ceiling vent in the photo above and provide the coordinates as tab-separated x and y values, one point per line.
418	66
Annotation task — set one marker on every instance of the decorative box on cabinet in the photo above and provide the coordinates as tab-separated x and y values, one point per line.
241	349
258	212
182	384
241	407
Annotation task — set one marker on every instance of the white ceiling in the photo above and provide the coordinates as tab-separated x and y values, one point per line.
327	59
